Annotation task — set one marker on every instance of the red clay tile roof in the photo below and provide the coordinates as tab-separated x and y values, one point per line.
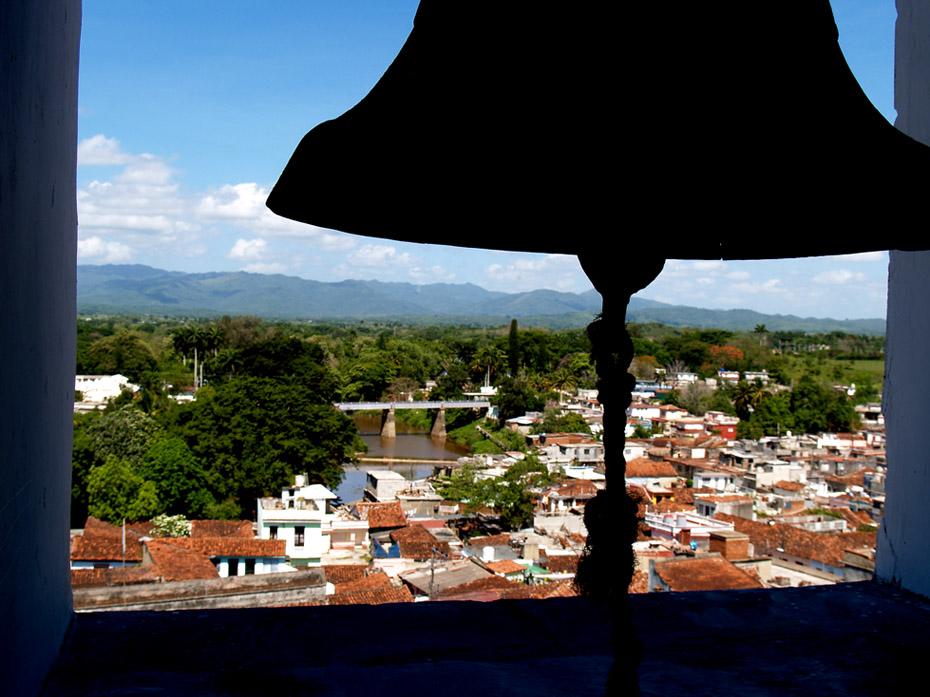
640	497
851	479
94	527
684	499
372	582
726	498
668	506
646	467
828	548
574	488
378	596
699	462
566	438
110	577
178	564
563	563
105	548
229	546
704	574
416	542
853	518
500	540
222	528
344	573
753	573
639	582
555	589
507	566
789	486
497	584
382	515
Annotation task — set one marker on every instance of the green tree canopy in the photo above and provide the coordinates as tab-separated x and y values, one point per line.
515	398
808	408
554	422
115	492
254	434
509	495
126	432
180	480
286	358
125	353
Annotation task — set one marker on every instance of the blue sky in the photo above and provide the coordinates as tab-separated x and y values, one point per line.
188	112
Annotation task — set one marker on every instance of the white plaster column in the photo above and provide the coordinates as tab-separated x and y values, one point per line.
39	44
904	538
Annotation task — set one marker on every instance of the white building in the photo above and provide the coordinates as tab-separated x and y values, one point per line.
685	527
97	389
383	485
302	518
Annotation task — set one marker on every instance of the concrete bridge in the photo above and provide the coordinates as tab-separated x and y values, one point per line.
389	430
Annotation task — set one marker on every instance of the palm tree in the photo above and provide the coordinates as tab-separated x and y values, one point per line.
747	396
181	342
562	381
762	331
489	359
187	340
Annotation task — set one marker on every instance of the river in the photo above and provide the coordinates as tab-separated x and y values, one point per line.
409	443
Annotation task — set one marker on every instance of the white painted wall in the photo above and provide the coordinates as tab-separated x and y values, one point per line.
38	228
904	538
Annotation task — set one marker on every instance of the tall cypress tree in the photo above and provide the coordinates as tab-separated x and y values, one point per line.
513	349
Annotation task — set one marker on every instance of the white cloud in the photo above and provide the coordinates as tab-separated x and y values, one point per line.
100	150
233	202
524	273
838	277
380	255
771	285
433	273
96	249
248	250
144	208
243	205
709	265
739	276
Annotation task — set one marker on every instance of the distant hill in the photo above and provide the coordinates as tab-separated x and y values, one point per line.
120	289
642	310
138	289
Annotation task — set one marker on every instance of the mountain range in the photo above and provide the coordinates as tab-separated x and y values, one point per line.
138	289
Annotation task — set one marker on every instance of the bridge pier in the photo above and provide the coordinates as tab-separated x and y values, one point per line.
388	428
439	425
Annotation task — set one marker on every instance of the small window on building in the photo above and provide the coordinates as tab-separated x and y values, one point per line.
233	567
249	567
273	532
299	536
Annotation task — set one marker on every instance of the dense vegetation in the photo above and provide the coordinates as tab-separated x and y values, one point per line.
263	410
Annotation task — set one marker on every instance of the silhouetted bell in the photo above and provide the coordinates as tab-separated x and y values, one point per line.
696	130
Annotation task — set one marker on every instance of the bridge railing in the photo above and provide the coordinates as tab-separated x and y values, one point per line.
447	404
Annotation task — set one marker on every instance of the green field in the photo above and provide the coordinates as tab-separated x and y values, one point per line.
831	370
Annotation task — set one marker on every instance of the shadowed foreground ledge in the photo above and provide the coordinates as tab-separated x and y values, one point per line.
850	639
